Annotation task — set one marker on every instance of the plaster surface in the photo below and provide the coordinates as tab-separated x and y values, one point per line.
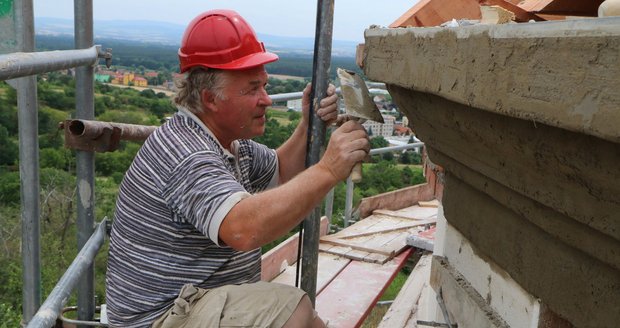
563	73
524	119
511	197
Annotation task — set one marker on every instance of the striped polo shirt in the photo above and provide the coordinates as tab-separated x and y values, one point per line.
176	193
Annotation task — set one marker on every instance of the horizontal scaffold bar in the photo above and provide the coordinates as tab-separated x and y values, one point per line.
20	64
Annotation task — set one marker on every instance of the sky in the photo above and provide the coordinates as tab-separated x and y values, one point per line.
275	17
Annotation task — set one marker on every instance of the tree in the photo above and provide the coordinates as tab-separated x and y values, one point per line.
54	158
416	158
405	158
163	77
294	115
10	150
8	108
389	156
378	142
117	161
148	93
9	188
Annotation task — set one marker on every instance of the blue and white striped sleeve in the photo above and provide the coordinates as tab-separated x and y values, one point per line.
264	172
202	191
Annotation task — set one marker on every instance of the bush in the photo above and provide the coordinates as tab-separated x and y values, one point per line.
9	188
54	158
9	317
10	150
117	161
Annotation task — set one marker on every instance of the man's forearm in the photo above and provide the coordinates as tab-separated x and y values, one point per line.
292	154
264	217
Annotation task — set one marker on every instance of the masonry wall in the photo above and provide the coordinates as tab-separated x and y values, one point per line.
525	120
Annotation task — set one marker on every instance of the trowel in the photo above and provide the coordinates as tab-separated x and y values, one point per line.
358	105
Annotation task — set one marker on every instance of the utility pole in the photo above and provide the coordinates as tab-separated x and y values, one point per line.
316	140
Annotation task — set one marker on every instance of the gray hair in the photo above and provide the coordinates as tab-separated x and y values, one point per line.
190	87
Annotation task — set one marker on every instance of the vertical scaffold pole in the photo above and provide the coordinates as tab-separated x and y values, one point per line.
85	166
27	118
316	139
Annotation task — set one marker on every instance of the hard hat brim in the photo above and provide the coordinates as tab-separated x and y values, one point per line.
250	61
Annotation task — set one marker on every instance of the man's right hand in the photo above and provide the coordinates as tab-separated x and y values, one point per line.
347	146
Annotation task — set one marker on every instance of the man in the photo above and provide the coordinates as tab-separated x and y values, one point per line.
201	198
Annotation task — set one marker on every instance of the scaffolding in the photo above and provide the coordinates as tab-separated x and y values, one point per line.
19	67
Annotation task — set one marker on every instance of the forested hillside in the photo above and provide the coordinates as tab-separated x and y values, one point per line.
164	57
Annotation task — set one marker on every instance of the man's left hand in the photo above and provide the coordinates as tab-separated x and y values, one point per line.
328	106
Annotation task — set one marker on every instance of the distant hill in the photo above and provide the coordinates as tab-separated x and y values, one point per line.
170	34
158	56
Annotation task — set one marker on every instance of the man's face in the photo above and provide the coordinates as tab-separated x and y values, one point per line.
242	112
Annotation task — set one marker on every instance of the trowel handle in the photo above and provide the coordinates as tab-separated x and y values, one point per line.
356	173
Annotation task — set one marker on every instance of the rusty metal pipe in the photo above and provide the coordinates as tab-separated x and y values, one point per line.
94	129
96	136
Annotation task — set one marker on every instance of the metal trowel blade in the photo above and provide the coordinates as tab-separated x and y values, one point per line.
357	100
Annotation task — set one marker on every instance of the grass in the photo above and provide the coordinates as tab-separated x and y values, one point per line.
281	116
375	316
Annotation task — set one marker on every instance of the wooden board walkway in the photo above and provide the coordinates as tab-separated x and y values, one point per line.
410	304
381	236
355	265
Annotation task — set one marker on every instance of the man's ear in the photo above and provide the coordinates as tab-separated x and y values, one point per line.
208	100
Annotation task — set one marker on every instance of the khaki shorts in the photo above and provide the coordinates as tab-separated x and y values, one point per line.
260	304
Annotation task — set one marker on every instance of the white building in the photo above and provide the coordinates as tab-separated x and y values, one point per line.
377	129
294	104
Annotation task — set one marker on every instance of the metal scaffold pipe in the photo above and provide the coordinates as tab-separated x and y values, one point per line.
27	117
85	160
95	129
316	140
47	314
21	64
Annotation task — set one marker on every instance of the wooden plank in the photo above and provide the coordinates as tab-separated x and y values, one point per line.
349	253
380	234
534	5
283	255
397	199
333	249
340	242
349	298
376	258
370	232
427	306
279	258
397	244
357	227
395	214
402	311
329	266
430	203
358	255
521	15
419	212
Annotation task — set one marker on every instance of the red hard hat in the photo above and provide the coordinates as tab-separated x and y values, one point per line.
222	39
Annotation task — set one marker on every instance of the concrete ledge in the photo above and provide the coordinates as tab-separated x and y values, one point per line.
573	284
573	174
562	73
